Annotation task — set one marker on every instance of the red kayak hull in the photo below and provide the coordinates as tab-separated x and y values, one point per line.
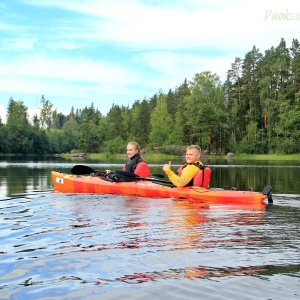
66	183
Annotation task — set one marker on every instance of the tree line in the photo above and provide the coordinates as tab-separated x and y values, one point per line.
255	111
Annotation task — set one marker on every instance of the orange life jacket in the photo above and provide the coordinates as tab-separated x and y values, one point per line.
202	178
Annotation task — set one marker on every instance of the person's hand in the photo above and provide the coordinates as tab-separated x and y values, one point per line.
167	167
108	171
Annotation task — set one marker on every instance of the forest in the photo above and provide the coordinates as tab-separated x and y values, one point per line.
255	111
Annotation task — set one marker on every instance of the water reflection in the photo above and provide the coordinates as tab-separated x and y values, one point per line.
92	244
139	223
193	272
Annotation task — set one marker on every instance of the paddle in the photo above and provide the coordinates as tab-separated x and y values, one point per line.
123	176
267	191
83	170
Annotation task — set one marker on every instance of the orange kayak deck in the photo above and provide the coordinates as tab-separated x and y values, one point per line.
66	183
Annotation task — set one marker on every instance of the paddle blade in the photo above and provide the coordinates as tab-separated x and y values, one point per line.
82	170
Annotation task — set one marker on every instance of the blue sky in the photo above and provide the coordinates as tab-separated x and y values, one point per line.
110	51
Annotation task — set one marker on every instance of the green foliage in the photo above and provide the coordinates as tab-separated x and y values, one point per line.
70	135
55	138
115	146
46	113
2	138
161	122
140	125
18	137
41	142
88	137
255	111
205	111
176	136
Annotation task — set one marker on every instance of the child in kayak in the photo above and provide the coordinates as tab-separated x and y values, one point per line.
193	173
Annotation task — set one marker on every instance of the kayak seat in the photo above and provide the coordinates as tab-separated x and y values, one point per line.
142	169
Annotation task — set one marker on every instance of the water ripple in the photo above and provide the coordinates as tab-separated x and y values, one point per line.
86	246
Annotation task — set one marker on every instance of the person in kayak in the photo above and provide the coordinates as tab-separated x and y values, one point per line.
136	163
193	168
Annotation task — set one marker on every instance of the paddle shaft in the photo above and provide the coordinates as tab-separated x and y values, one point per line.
127	177
83	170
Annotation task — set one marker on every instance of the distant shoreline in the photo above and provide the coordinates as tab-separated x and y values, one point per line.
151	156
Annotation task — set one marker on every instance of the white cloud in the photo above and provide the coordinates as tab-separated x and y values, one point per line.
172	66
70	69
186	24
63	45
18	44
120	50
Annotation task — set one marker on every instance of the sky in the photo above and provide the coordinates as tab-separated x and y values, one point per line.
105	52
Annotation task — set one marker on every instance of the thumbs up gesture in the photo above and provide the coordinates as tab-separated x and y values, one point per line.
167	167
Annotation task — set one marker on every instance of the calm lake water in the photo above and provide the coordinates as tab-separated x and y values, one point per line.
66	246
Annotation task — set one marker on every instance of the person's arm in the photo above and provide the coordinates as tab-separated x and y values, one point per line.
187	174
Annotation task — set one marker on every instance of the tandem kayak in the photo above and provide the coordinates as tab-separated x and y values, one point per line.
147	187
